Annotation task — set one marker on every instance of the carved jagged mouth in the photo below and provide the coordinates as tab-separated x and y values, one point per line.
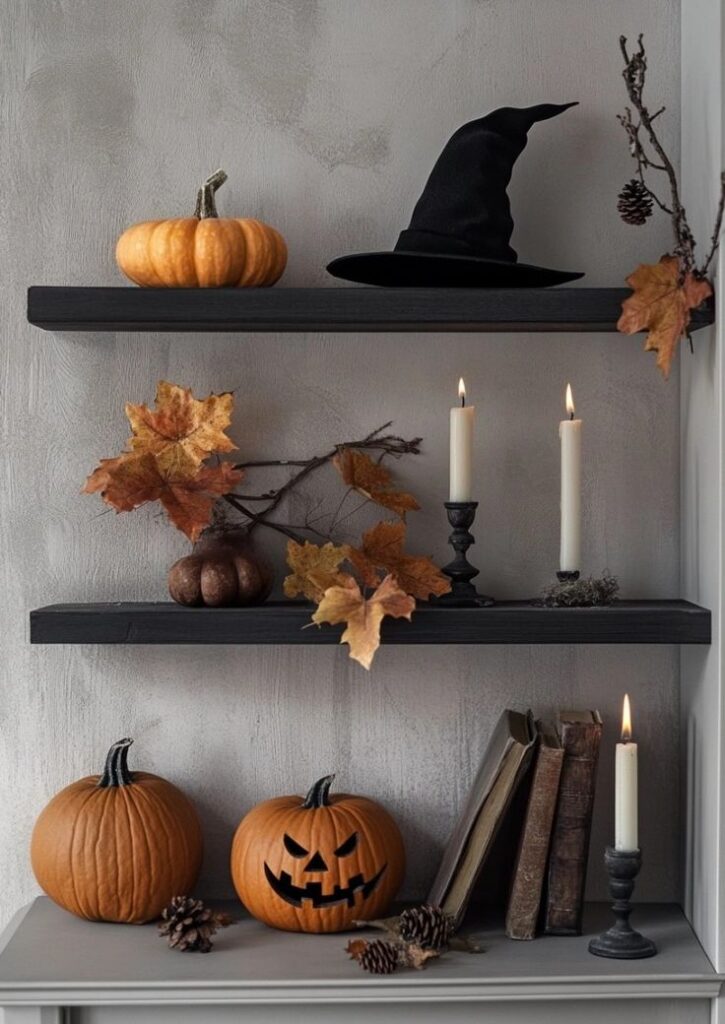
295	894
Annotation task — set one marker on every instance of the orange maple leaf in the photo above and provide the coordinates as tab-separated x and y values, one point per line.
382	548
186	491
181	426
661	303
345	603
314	569
373	480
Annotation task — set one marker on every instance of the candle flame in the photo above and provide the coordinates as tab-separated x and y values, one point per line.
570	407
462	389
626	720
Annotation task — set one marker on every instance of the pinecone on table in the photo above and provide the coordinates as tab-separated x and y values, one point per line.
634	203
188	925
425	926
377	957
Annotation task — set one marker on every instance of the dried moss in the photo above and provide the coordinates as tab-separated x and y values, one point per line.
588	593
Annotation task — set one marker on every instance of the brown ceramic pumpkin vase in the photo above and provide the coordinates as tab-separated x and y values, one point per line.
224	570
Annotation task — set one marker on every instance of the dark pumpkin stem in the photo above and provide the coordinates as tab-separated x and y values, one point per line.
116	771
319	794
205	203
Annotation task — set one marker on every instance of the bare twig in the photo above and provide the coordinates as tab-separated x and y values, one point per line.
634	74
715	238
388	445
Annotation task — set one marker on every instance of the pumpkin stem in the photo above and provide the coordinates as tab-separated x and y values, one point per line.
116	771
319	794
205	204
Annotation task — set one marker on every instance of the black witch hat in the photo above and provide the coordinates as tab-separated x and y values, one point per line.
460	229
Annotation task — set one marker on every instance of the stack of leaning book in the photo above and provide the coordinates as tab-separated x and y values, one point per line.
534	793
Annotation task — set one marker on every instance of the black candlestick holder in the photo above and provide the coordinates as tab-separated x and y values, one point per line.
621	941
567	575
463	594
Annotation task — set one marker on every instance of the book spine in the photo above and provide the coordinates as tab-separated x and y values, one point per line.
528	881
572	828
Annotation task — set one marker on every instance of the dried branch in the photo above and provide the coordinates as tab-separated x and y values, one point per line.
715	238
634	74
388	445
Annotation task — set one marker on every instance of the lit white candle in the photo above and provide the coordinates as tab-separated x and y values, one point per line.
462	419
570	432
625	787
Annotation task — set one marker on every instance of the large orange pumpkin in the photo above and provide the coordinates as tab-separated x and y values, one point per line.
203	251
119	846
318	864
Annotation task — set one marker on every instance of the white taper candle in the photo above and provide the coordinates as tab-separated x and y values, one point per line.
570	432
461	458
625	787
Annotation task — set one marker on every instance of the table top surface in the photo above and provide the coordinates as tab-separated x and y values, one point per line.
49	951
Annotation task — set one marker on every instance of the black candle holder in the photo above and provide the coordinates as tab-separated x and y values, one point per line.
567	575
621	941
463	594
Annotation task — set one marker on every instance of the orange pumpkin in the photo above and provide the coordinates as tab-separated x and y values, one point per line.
203	251
318	864
119	846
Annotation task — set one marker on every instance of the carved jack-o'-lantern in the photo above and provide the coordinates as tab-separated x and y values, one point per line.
318	864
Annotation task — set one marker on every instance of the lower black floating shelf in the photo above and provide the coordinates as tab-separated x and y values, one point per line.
511	622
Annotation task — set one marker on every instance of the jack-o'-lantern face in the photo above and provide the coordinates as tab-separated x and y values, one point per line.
319	864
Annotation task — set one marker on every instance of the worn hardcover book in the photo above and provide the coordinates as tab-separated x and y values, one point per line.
503	767
524	905
581	733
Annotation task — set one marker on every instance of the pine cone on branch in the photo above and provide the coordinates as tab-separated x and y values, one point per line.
188	925
635	203
425	926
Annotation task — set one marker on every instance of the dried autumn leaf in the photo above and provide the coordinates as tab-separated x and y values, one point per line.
355	948
346	603
186	491
372	480
181	426
314	568
661	305
382	549
417	957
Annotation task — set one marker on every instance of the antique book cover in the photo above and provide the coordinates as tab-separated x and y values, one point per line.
581	733
524	904
503	767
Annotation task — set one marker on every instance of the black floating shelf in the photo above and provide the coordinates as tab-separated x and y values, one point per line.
511	622
332	309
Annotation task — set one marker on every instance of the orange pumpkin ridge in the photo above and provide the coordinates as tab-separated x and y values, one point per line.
203	251
118	846
317	864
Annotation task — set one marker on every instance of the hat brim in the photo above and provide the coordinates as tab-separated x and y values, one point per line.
401	269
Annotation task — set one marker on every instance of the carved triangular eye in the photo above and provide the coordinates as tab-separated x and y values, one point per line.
347	847
294	848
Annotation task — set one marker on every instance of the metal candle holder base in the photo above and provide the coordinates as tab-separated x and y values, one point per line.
621	941
463	594
567	575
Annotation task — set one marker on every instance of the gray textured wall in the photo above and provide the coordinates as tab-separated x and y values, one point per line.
327	116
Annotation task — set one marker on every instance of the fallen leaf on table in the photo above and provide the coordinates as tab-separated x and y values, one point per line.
362	616
355	948
181	426
373	480
382	549
661	305
314	569
187	491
